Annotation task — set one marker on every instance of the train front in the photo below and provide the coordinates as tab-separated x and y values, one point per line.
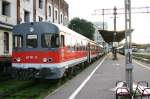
36	51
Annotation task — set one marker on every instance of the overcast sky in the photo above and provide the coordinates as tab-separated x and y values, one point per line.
140	22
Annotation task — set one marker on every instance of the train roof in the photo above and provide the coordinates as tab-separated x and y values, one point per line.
120	47
45	27
71	32
35	27
75	34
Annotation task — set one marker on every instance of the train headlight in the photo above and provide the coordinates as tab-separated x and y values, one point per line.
44	60
17	59
47	60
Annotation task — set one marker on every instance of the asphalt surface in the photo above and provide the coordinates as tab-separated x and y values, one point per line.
99	85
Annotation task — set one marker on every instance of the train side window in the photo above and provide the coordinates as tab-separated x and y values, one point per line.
31	41
18	41
55	41
62	41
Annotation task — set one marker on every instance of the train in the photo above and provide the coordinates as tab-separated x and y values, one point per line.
121	50
47	50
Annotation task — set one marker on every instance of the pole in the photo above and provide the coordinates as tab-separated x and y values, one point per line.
103	13
128	45
103	18
114	35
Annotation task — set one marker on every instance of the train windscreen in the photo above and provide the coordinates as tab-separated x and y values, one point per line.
32	41
18	41
49	40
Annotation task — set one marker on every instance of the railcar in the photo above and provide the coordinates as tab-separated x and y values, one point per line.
47	50
121	50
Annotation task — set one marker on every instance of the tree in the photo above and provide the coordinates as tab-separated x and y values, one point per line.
83	27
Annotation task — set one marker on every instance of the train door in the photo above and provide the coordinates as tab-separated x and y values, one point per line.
89	53
62	41
62	45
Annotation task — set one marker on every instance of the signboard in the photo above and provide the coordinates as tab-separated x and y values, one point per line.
32	37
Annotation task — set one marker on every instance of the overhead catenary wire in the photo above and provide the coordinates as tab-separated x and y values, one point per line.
120	11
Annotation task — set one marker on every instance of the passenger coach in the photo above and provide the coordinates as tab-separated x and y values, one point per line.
47	50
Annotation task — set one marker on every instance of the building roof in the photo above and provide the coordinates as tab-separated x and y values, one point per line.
108	36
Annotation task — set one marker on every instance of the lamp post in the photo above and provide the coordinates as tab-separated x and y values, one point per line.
114	35
128	47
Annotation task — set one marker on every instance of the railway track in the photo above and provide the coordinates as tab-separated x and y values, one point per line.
141	57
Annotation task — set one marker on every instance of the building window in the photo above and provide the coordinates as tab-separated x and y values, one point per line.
6	42
61	18
40	4
56	15
40	18
65	20
5	8
50	11
26	16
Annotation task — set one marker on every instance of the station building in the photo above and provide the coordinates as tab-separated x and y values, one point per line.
55	11
14	12
8	19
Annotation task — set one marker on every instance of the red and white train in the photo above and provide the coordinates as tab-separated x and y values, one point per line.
48	50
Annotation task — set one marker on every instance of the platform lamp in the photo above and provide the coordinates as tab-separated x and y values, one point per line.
114	36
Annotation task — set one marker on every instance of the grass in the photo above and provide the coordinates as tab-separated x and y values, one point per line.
37	91
4	76
12	86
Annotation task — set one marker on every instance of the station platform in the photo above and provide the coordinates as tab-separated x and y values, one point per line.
98	80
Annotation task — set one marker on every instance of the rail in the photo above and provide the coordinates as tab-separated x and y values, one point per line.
142	59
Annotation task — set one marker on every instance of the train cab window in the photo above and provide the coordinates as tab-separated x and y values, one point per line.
31	41
18	41
50	40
